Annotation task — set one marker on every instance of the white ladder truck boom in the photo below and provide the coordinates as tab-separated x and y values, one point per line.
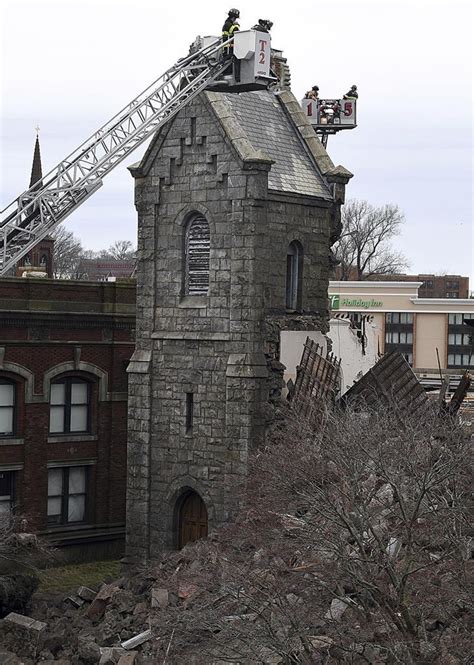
38	210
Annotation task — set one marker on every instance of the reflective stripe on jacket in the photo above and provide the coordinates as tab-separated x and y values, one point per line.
228	29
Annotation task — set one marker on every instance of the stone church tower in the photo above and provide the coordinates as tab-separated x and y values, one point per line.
238	204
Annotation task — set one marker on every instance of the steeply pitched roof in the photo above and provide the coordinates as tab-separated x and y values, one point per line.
269	129
36	170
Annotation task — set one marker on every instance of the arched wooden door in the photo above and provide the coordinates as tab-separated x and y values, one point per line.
192	519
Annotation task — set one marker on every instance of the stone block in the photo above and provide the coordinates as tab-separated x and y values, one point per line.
159	598
97	608
128	658
110	655
26	623
337	609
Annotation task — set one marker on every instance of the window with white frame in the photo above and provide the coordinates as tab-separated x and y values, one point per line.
7	407
69	406
67	495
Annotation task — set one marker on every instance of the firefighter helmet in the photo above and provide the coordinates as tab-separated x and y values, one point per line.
234	13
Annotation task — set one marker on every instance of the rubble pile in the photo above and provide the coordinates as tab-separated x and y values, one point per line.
190	608
352	546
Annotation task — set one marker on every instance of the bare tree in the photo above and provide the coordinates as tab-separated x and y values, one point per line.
22	554
121	250
67	253
364	247
351	547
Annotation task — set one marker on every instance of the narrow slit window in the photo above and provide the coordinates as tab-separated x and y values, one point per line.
189	412
294	276
197	252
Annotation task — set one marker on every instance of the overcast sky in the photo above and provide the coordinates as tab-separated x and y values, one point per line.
70	65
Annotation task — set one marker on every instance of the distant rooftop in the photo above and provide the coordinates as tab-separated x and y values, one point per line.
102	269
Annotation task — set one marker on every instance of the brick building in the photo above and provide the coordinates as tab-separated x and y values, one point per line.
103	270
432	286
238	204
64	348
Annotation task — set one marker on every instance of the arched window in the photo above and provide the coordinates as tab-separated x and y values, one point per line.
196	256
294	275
7	407
69	406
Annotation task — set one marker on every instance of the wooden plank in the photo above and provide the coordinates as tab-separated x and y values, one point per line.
459	394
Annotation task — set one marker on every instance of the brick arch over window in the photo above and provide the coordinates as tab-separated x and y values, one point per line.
80	367
27	375
197	248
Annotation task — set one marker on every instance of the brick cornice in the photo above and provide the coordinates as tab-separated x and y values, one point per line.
28	318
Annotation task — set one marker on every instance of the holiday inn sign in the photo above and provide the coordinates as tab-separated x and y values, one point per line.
360	303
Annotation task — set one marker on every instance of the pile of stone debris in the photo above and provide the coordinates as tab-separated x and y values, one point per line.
172	612
128	621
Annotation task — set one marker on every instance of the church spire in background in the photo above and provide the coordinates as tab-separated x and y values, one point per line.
36	170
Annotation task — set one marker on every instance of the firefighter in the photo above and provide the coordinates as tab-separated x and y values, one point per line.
313	93
352	94
230	27
263	25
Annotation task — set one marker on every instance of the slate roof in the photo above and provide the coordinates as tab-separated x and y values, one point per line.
269	129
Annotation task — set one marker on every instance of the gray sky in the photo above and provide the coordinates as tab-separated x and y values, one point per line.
70	65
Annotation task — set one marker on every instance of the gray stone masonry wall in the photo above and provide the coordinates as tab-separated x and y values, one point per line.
215	346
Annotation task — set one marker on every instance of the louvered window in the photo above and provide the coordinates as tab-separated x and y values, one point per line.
197	249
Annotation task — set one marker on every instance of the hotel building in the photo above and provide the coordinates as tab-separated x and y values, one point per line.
430	332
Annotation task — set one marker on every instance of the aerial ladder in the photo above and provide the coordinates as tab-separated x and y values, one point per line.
47	203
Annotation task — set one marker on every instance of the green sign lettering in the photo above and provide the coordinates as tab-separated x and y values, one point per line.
360	303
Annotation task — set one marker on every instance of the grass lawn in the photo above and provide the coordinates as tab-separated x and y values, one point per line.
70	577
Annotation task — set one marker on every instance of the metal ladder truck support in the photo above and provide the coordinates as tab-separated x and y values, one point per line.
39	210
